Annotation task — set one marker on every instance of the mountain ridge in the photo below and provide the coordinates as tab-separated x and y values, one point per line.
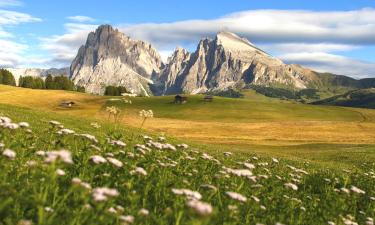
109	57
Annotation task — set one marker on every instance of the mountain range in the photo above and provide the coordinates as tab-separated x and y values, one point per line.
109	57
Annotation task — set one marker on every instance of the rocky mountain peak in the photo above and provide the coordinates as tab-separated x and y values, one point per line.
178	54
233	42
109	57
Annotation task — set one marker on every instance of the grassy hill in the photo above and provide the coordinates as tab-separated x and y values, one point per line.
363	98
257	123
289	183
305	164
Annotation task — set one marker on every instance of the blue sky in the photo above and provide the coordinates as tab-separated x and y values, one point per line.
334	36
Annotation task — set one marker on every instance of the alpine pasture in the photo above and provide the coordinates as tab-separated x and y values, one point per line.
255	160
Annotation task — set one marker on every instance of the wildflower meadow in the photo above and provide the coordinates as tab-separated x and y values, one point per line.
88	172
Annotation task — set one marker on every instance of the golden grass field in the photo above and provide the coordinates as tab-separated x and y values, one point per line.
255	122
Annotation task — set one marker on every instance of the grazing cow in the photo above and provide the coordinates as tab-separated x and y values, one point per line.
208	98
180	99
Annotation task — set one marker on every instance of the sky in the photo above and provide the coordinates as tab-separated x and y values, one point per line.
335	36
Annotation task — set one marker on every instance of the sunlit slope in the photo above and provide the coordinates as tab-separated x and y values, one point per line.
254	120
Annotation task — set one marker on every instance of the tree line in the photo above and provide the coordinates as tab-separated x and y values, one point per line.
54	83
51	82
7	78
115	91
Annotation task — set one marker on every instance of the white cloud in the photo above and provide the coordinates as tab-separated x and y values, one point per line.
324	62
4	3
285	33
11	51
307	47
81	19
63	48
272	26
13	18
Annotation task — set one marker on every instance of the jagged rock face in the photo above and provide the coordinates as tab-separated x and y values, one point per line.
168	81
225	62
111	58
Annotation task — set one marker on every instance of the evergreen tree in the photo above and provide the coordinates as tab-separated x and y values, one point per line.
50	83
111	91
31	82
115	91
80	89
7	77
27	82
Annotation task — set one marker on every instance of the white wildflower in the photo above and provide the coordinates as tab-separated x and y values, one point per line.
63	155
60	172
291	186
127	219
12	126
236	196
201	208
228	154
54	123
249	166
301	171
24	124
357	190
79	182
256	199
188	193
185	146
40	153
5	120
97	159
9	154
112	210
117	143
90	137
102	193
66	131
143	212
274	160
115	162
146	113
240	172
48	209
139	170
345	190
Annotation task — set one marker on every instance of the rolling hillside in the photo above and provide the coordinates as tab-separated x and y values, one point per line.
363	98
256	122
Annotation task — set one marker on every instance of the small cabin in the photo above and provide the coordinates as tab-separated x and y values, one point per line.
180	99
67	104
208	98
